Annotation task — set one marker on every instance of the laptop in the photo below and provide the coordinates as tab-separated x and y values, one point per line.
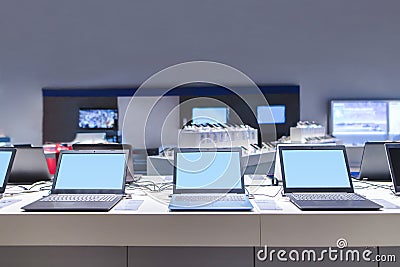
208	179
374	162
7	156
85	181
318	178
129	164
393	156
29	166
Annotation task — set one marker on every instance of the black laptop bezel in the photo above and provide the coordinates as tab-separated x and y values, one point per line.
89	191
287	190
210	191
389	146
10	163
371	172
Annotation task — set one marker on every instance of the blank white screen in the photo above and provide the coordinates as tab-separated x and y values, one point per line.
315	169
91	171
209	115
208	170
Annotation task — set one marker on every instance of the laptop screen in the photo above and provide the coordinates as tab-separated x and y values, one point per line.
5	158
208	171
393	153
315	168
90	171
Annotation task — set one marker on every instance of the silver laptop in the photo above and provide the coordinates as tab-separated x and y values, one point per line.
318	178
85	181
208	179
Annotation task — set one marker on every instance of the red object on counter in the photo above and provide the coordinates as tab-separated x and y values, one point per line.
51	164
52	153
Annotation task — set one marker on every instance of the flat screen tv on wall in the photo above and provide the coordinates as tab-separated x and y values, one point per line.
90	118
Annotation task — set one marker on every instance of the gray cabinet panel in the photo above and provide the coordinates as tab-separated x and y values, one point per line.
63	256
190	256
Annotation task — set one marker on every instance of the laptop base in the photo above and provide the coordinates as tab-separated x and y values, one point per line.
341	205
210	206
71	206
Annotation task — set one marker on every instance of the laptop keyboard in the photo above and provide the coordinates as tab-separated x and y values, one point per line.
327	196
210	198
80	198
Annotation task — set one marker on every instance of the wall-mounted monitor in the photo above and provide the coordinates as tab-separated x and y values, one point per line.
210	115
271	114
358	121
98	118
359	117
